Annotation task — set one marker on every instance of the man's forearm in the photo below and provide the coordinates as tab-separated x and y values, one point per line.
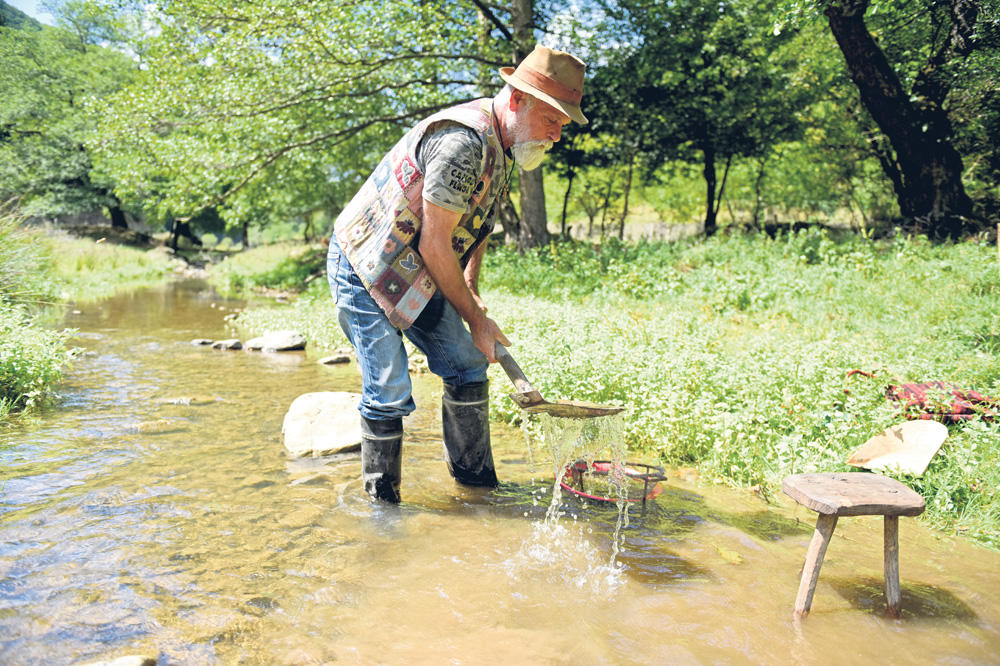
442	264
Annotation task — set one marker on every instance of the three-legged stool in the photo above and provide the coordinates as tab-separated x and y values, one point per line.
851	494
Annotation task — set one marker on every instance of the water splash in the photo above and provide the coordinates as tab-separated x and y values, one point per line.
553	544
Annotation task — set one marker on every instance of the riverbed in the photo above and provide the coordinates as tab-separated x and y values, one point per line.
153	510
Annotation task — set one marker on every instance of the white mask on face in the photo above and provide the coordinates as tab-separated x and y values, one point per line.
529	154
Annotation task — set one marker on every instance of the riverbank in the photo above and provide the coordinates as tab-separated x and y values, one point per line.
732	354
43	269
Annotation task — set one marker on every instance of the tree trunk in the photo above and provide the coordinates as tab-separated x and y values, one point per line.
245	238
758	193
628	188
569	186
117	217
708	171
509	220
919	131
533	230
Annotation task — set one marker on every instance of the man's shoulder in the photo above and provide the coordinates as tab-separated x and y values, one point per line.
453	131
451	139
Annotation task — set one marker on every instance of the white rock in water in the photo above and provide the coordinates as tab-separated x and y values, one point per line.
274	341
131	660
202	341
254	344
322	423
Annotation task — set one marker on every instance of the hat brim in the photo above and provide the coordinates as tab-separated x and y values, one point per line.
571	110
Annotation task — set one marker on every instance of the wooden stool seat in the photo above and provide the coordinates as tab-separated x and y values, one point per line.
854	494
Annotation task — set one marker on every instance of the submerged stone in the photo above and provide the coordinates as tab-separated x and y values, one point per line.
228	345
335	359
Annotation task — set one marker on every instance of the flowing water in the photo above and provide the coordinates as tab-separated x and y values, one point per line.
154	511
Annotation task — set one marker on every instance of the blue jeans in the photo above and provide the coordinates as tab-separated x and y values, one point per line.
385	377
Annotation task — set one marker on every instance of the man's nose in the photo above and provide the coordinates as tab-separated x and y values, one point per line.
555	134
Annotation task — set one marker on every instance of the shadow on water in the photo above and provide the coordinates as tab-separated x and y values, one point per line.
918	601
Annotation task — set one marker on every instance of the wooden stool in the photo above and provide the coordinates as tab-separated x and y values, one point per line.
852	494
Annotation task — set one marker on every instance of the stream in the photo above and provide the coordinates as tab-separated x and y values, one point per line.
153	510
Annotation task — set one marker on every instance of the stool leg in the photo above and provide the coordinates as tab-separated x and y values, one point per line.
814	560
892	593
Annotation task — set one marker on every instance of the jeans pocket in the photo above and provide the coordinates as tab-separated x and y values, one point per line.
333	258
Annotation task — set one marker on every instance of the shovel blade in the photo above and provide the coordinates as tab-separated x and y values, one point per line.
567	409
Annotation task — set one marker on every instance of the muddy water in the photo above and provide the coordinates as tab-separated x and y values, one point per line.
155	512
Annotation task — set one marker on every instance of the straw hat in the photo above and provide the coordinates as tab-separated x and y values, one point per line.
555	77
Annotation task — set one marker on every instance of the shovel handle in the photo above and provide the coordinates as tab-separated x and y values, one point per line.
512	369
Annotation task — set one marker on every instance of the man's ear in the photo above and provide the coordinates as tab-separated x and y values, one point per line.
516	99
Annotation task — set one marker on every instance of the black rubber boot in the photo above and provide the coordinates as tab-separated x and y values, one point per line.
381	458
465	415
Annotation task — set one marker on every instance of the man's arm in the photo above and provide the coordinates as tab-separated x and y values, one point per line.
442	264
472	273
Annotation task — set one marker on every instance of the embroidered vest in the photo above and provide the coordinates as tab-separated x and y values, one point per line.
379	229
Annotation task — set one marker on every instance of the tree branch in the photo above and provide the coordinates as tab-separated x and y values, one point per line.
340	135
488	13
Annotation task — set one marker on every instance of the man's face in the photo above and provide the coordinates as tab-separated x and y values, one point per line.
537	126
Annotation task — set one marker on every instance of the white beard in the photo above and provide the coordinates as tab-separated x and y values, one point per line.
529	154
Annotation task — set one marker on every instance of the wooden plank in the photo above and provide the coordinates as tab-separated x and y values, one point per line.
907	447
892	592
853	494
814	560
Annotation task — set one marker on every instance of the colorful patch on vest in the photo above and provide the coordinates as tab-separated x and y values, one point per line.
406	173
406	225
461	240
381	174
408	263
392	286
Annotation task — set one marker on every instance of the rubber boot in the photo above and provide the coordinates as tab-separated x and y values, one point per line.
465	416
381	458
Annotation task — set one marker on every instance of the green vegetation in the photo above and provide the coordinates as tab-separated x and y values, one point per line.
39	269
84	270
31	357
285	266
731	353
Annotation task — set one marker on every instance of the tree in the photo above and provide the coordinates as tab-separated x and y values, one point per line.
273	109
920	72
710	80
49	76
533	227
926	169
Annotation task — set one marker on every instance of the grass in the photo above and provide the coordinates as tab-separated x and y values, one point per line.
85	270
731	353
284	266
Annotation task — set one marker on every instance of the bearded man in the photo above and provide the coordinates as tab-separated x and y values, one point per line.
405	255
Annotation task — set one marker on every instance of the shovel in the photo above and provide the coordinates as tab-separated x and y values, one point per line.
530	400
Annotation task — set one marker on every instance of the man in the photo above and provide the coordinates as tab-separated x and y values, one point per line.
405	256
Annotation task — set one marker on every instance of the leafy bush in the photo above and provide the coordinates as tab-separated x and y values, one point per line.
31	357
31	360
